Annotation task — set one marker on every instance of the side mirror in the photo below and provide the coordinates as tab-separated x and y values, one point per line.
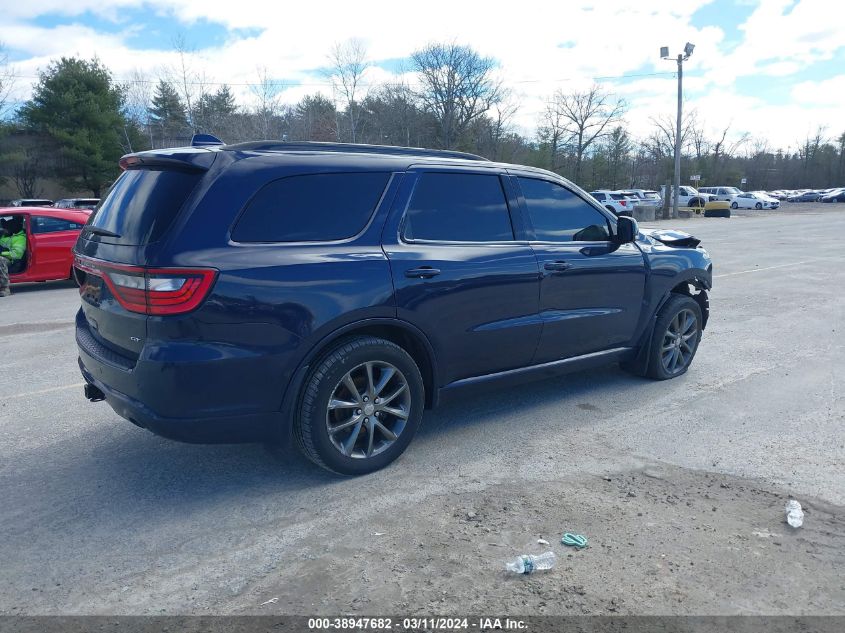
626	229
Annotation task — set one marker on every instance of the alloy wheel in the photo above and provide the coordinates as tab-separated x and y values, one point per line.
679	342
368	409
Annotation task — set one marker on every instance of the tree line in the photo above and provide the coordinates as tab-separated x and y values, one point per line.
79	120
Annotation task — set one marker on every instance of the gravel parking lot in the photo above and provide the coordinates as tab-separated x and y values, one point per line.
679	486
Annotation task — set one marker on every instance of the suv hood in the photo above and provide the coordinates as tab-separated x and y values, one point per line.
670	237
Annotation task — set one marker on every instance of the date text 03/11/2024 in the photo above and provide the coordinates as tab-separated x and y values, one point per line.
416	623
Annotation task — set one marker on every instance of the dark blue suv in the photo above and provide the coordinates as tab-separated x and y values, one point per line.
332	292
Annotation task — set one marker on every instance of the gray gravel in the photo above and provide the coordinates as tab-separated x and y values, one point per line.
100	517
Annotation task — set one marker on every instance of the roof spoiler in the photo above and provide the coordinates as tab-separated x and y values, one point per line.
204	140
184	158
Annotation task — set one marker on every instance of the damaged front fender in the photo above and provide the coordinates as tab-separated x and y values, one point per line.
671	237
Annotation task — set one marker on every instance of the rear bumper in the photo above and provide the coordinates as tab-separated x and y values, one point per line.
252	427
197	391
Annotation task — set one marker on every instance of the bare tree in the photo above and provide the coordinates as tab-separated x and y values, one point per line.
138	91
724	149
348	63
587	116
26	172
661	142
7	82
268	102
553	131
458	87
501	117
192	82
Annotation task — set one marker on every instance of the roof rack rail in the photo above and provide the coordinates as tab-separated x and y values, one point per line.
359	148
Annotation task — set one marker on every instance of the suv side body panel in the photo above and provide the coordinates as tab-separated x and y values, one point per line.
594	304
480	311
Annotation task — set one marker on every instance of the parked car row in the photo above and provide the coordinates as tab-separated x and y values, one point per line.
622	202
834	194
65	203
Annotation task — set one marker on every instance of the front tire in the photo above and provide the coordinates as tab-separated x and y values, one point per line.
361	406
758	206
677	333
734	205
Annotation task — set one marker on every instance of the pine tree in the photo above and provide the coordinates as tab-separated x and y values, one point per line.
167	114
78	106
214	110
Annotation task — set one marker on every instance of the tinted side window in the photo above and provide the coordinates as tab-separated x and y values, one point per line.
311	208
458	208
52	225
558	215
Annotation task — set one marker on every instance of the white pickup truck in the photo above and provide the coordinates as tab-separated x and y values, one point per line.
687	195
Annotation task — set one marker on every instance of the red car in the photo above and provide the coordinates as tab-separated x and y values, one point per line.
50	236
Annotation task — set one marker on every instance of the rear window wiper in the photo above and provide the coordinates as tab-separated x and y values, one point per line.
96	230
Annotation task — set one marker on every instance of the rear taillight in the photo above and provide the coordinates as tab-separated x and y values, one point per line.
154	291
624	203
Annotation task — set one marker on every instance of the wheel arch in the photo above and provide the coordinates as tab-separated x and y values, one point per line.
692	282
404	334
695	286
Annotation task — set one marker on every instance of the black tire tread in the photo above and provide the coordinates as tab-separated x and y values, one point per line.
333	356
674	304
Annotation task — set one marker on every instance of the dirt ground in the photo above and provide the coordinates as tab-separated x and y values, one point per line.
661	540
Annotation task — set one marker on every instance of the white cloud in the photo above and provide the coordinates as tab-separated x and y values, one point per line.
610	38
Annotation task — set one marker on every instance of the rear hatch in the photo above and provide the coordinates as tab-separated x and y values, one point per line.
117	289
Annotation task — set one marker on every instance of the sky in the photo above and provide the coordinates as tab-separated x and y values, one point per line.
774	69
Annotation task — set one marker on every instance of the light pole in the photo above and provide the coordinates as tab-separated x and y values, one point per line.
682	57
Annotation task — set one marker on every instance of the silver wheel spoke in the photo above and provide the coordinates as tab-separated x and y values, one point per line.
349	444
350	384
370	389
674	362
386	375
399	413
390	435
689	324
351	407
371	428
393	396
342	404
345	425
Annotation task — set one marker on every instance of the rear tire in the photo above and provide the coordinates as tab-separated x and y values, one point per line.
361	406
734	205
677	333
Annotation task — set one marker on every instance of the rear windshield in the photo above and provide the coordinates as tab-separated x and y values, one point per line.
617	196
142	204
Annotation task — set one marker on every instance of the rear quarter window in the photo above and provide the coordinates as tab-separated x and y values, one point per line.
311	208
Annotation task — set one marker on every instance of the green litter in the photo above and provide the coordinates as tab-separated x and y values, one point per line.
574	540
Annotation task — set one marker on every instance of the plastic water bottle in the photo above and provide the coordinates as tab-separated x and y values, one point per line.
528	563
794	513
